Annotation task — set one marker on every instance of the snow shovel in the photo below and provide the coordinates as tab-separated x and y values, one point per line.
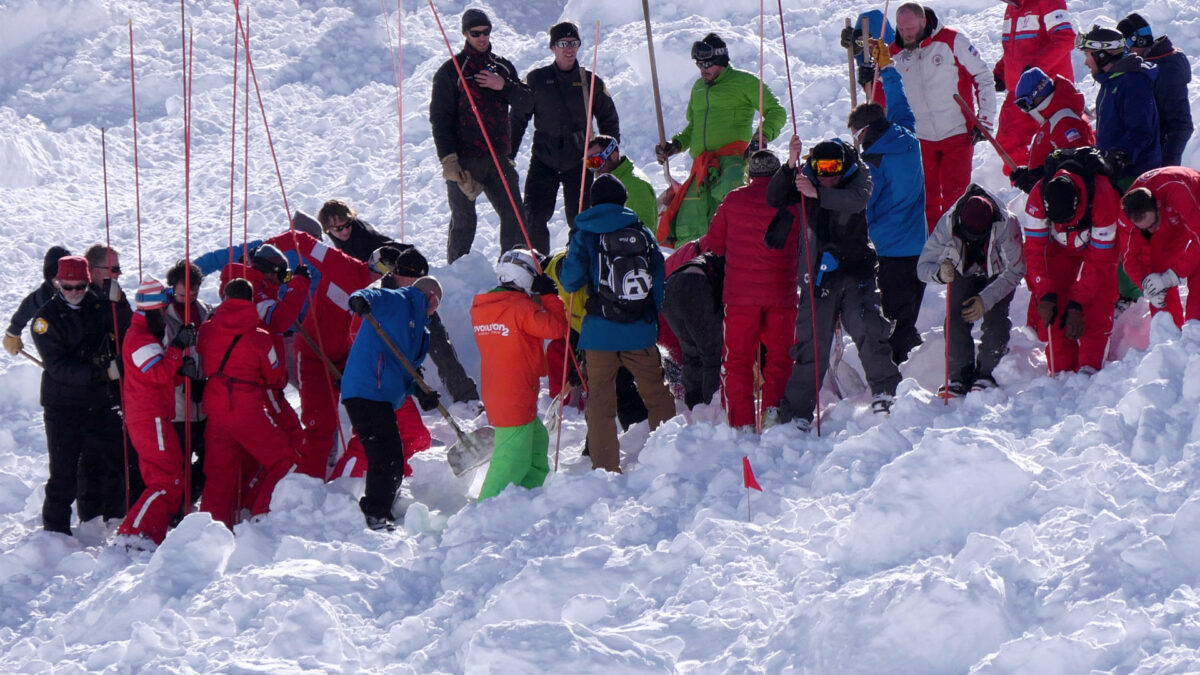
471	450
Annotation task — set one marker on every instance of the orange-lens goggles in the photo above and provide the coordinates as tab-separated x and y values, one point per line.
597	160
828	167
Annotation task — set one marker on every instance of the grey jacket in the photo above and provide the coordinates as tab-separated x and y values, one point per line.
1005	253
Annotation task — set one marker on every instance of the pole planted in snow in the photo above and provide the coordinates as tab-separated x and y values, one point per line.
587	121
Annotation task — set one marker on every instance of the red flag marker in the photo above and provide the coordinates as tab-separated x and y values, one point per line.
748	475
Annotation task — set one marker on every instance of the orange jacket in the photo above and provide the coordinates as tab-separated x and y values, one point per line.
510	330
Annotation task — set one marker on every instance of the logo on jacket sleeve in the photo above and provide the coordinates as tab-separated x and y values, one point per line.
40	326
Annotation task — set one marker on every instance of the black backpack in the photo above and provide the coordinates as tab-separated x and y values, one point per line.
625	284
1087	163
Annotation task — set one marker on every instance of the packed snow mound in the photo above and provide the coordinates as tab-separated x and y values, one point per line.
1047	526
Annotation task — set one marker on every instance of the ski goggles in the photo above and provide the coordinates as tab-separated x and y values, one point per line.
1031	100
705	54
827	167
598	159
567	44
1082	42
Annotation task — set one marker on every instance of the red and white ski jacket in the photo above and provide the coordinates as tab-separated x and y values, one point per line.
944	64
1036	33
238	384
278	306
148	384
338	275
1061	123
1095	243
1176	242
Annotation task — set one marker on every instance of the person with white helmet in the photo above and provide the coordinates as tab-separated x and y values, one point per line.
511	323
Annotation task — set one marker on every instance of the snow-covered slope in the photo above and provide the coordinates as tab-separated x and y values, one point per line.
1049	526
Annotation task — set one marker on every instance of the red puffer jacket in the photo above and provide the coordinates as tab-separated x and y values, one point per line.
754	274
148	385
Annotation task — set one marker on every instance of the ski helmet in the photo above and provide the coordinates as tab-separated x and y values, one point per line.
1033	88
517	268
1105	44
269	260
383	260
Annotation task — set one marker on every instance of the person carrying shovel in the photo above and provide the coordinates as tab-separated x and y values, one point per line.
377	380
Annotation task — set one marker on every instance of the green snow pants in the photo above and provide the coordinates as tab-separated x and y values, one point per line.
520	458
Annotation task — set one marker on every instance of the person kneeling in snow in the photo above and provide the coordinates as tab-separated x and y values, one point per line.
1162	246
976	250
510	327
376	382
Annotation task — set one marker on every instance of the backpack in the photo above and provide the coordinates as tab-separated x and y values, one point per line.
625	280
1087	163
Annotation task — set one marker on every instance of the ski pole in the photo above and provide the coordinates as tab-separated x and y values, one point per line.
812	306
662	134
566	362
945	395
850	65
587	121
962	103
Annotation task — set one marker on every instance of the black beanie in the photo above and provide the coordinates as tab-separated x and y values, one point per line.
474	17
608	190
563	31
1135	29
50	262
1060	199
410	263
762	163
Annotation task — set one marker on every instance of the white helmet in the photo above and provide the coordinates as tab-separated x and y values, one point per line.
518	267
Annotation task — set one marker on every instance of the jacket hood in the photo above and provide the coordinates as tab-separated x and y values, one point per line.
1065	96
1162	47
974	190
236	316
1132	63
50	262
605	218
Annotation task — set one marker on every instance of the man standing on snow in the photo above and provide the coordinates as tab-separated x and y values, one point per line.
34	301
615	257
976	250
719	135
462	146
832	187
510	328
604	156
896	211
1161	232
936	63
1036	34
1170	87
74	335
559	110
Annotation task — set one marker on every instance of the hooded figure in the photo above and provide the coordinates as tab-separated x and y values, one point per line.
32	302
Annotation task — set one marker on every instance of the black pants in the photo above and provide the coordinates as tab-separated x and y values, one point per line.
900	293
965	366
86	465
375	424
854	300
463	218
691	312
458	384
541	193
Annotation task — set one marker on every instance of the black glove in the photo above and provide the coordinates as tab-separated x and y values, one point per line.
186	337
779	229
866	76
1072	321
1117	160
543	285
359	305
302	271
999	82
977	135
428	400
190	369
664	150
849	38
1024	178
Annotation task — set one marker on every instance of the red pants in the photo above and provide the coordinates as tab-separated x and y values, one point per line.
747	327
161	462
1015	133
414	435
947	165
319	410
229	437
1071	355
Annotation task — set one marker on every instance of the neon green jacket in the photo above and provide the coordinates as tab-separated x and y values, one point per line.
723	112
641	195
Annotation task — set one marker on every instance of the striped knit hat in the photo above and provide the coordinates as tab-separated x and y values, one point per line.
150	295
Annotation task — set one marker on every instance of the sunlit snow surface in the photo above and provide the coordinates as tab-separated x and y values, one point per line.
1045	527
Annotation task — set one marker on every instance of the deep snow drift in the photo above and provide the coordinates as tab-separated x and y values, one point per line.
1045	527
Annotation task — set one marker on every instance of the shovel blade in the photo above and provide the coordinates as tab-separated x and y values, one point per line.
473	449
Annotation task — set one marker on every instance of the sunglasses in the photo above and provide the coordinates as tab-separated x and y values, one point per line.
597	160
70	287
479	33
828	167
115	269
567	44
339	228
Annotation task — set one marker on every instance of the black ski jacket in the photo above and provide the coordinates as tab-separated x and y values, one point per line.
455	129
558	107
76	345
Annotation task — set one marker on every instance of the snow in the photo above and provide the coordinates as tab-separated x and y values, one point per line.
1048	526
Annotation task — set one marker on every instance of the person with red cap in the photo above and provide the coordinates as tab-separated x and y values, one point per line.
151	372
976	251
74	334
1071	256
242	363
1161	232
1036	34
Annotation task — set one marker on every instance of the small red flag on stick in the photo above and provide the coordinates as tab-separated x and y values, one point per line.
748	475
